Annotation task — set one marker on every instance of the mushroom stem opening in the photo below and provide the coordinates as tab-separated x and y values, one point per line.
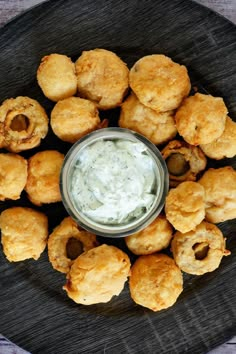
177	165
201	250
73	248
19	122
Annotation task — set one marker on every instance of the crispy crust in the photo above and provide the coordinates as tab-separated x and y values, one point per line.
97	275
193	155
155	282
73	118
201	118
14	140
43	177
157	127
185	206
225	145
56	77
102	78
159	83
13	176
182	247
58	239
153	238
24	233
220	190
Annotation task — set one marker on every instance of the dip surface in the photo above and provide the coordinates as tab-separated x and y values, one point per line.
114	181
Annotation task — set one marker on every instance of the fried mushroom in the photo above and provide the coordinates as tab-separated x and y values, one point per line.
73	118
43	177
13	176
201	118
23	123
157	127
67	242
153	238
185	206
199	251
220	193
184	161
97	275
56	77
102	77
225	145
159	83
24	233
155	282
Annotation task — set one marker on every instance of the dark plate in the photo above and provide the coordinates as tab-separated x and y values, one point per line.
34	311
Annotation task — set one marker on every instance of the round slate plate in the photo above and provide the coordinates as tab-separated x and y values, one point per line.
34	311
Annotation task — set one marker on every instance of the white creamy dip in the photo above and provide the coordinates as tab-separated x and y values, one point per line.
114	181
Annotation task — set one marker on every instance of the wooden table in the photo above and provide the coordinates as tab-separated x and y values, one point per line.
227	8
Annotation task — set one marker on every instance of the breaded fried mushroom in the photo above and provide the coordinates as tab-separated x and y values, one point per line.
153	238
97	275
184	161
67	242
56	77
43	177
201	119
220	191
159	83
199	251
157	127
13	176
73	118
102	78
225	145
185	206
23	123
155	282
24	233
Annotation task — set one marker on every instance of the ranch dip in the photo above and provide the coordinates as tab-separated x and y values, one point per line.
114	181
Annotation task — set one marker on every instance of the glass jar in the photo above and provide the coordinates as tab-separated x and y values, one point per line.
68	185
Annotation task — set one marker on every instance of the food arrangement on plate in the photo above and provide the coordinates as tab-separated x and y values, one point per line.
155	102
